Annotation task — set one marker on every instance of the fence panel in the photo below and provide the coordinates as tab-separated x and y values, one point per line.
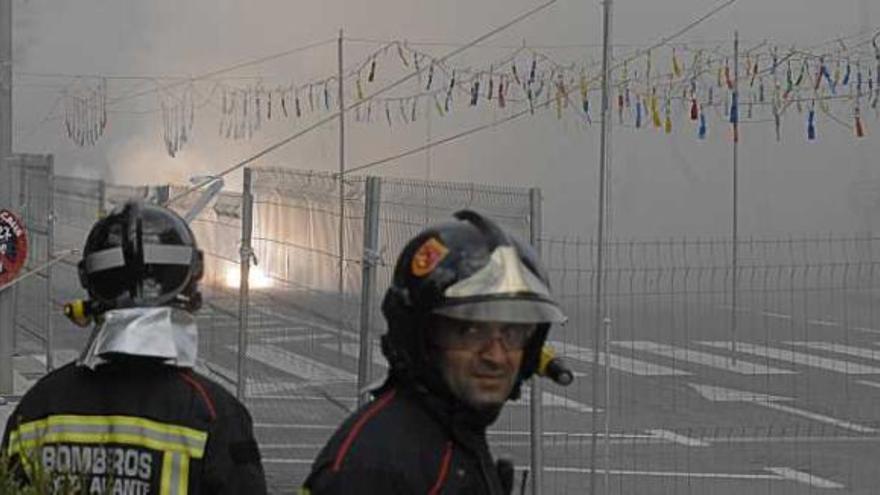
773	395
32	178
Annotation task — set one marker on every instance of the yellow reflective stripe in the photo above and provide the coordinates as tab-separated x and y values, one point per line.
165	486
120	438
183	486
143	432
163	428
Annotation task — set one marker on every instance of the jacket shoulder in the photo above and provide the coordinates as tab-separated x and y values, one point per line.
391	439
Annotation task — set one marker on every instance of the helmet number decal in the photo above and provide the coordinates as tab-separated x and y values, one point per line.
427	257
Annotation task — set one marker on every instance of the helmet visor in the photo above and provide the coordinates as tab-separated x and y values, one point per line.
511	310
504	289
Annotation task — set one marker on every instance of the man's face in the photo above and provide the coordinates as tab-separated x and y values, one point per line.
480	360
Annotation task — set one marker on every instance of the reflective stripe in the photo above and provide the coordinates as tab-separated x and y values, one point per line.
110	429
105	260
175	474
167	463
182	485
163	254
159	254
178	444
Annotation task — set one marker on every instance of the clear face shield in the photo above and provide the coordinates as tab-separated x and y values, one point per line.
504	290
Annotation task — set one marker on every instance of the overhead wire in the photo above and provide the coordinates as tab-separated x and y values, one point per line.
544	104
357	103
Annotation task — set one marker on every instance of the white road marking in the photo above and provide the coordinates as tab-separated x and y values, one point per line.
620	363
823	323
721	394
293	338
869	384
803	477
297	365
549	399
353	349
799	358
841	349
776	315
679	439
703	358
869	330
840	423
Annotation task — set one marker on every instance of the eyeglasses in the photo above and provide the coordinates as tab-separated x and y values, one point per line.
470	335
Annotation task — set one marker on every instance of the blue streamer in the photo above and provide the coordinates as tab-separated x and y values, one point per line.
811	125
827	75
846	75
638	114
702	131
734	108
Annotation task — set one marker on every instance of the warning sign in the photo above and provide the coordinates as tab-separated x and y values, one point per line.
13	246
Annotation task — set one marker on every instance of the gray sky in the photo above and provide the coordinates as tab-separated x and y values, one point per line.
664	185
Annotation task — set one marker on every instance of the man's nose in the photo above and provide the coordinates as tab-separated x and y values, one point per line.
494	350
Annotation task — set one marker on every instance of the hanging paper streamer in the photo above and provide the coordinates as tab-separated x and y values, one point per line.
811	125
372	74
430	76
475	93
655	112
695	112
501	89
676	66
85	113
178	115
734	115
860	130
638	113
777	119
702	131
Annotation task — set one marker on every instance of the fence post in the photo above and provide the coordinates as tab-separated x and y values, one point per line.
7	298
50	248
246	252
368	284
102	199
536	420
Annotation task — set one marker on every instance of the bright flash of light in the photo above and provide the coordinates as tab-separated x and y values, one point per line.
257	279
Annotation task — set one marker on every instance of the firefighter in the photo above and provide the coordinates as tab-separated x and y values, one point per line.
131	415
468	311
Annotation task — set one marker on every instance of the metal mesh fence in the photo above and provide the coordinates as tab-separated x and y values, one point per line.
31	181
679	392
694	395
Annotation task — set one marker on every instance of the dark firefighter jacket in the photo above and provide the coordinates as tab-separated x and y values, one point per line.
406	442
136	426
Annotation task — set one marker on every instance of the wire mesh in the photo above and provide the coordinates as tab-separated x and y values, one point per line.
776	400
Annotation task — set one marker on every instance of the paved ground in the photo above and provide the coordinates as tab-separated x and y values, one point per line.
790	403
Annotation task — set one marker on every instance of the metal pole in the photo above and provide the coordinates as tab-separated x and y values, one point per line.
50	248
340	97
246	253
598	307
368	285
536	418
734	118
7	321
607	325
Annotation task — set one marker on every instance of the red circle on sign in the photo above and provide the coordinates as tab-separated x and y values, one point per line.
13	246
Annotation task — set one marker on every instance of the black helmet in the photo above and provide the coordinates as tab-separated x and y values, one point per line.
141	255
468	270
